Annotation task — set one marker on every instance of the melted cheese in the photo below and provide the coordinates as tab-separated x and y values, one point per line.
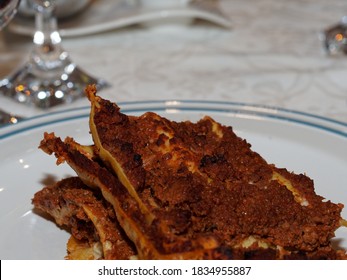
283	181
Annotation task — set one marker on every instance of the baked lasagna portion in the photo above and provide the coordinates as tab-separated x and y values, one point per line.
95	231
184	190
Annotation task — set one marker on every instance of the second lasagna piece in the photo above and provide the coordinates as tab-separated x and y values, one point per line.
95	232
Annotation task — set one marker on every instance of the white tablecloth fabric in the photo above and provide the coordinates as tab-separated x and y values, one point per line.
272	55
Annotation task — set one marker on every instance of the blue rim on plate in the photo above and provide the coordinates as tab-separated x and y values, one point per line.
237	109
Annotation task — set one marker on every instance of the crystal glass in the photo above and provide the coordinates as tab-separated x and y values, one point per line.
49	77
8	9
335	38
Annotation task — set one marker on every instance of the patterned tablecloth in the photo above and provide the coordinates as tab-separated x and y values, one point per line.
272	55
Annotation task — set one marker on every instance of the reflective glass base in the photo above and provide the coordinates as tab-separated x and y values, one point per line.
46	89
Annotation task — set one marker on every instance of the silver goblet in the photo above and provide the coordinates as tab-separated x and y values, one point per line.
49	77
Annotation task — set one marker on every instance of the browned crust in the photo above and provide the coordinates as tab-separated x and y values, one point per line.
184	190
221	198
86	215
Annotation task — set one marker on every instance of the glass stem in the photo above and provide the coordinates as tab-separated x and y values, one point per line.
48	55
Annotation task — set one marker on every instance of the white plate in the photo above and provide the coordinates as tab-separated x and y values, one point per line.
300	142
105	15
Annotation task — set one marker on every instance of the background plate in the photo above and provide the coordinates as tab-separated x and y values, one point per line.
106	15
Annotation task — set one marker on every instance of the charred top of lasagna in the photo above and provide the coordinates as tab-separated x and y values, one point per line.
197	190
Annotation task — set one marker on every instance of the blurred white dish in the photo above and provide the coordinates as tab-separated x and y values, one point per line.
105	15
164	3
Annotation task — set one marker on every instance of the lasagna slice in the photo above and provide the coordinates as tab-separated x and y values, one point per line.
95	232
184	190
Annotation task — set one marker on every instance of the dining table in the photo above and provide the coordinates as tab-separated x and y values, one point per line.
260	65
271	55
